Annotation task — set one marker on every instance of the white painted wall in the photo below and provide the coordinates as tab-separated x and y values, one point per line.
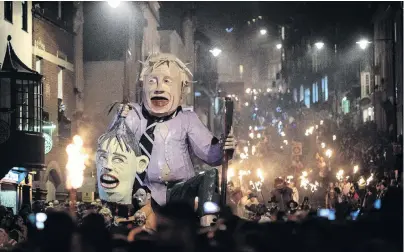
21	40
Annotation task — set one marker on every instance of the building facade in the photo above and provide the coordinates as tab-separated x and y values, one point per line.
55	32
15	29
388	68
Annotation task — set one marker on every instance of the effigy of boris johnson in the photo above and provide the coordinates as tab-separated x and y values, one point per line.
152	144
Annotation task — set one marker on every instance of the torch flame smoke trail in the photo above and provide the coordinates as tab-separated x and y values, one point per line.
76	163
304	181
340	175
355	169
370	179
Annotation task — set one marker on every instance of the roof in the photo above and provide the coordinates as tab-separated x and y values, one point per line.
12	63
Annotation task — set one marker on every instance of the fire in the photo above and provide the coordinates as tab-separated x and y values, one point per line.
355	169
304	181
76	163
230	173
260	176
340	175
370	179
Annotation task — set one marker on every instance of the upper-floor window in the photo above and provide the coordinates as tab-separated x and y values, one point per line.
8	11
60	13
24	6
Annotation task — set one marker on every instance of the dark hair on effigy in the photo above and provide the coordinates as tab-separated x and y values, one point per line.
123	135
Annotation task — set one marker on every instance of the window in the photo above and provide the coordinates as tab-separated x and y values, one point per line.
345	105
241	70
323	88
326	88
301	93
60	10
307	98
8	11
60	84
314	93
38	64
24	6
365	84
368	114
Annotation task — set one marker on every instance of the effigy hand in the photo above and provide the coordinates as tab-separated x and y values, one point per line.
230	142
123	110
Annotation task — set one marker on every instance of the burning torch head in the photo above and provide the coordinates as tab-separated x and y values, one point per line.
118	159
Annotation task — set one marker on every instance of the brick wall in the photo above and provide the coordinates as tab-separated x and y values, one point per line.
54	40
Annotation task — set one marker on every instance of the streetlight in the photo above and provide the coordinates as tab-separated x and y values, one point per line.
114	3
278	46
215	52
263	31
319	45
363	43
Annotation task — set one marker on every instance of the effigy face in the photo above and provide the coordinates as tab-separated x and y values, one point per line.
116	171
142	197
164	78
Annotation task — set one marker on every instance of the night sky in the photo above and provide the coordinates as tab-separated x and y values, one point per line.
353	19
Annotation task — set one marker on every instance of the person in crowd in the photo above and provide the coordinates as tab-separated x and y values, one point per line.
295	191
18	229
5	241
106	213
369	199
331	197
382	189
282	193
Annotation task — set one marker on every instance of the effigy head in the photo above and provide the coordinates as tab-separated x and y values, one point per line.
165	78
118	159
142	197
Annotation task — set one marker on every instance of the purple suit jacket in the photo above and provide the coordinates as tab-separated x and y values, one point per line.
170	159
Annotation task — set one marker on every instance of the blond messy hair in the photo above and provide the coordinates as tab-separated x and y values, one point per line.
158	59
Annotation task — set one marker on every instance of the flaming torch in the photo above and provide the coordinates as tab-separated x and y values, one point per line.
75	168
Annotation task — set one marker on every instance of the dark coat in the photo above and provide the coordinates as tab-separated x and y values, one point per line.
283	195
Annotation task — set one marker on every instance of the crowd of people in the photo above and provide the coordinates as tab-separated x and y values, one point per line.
281	225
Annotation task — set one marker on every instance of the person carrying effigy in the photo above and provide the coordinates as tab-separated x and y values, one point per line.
167	134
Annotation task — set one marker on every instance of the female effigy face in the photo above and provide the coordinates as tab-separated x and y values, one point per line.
163	89
116	171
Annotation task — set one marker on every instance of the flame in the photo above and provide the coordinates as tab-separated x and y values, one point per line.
260	175
230	173
76	163
361	181
340	175
313	187
304	181
355	169
370	179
